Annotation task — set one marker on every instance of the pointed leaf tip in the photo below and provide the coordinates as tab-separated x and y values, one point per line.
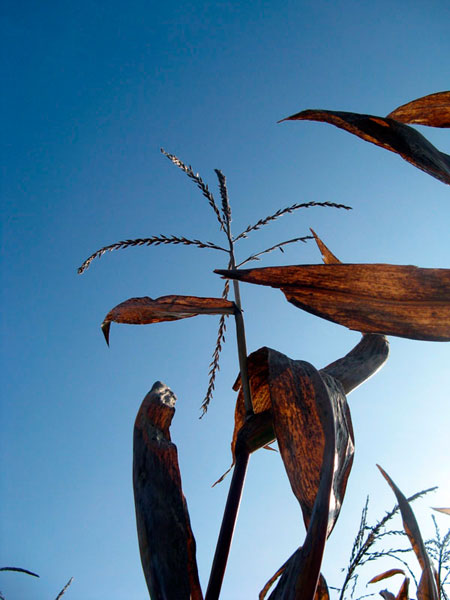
445	511
388	133
106	325
327	256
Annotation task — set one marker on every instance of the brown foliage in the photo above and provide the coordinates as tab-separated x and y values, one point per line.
432	110
391	134
399	300
143	311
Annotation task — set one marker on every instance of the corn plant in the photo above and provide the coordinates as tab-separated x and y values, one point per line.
303	408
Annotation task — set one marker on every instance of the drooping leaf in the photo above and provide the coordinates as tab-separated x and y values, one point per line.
300	389
427	589
388	133
446	511
143	311
386	574
432	110
166	541
399	300
312	424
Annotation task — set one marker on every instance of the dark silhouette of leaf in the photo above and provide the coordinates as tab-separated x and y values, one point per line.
388	133
166	541
432	110
19	570
427	589
143	311
399	300
64	590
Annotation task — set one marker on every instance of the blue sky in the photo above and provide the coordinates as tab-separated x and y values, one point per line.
91	92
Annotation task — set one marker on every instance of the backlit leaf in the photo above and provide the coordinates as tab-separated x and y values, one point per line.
388	133
399	300
143	311
432	110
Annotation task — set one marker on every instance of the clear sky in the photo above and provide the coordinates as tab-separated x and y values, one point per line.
91	91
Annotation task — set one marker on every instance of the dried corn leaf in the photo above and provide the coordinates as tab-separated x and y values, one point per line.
301	576
399	300
432	110
143	311
446	511
403	592
386	574
427	589
389	134
166	541
312	424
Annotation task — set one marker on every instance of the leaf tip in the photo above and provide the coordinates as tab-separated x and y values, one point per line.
106	325
327	256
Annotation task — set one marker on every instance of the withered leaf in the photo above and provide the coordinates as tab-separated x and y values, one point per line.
432	110
312	424
403	593
427	589
446	511
400	300
386	574
143	311
166	542
388	133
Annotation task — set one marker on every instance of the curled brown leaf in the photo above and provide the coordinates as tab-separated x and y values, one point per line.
143	311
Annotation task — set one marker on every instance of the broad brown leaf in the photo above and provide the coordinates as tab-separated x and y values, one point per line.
427	589
399	300
388	133
143	311
432	110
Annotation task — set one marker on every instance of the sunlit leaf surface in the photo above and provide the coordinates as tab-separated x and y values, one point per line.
399	300
432	110
143	311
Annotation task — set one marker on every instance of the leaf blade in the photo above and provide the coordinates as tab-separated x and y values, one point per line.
388	133
145	310
401	300
432	110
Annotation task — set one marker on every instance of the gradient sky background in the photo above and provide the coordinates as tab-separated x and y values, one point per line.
91	91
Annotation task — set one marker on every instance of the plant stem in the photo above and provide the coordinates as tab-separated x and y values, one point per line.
240	469
228	525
